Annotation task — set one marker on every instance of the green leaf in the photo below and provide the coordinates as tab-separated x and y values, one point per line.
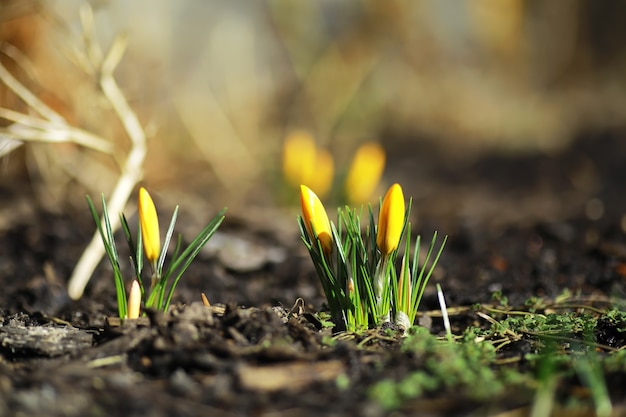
184	260
108	240
166	244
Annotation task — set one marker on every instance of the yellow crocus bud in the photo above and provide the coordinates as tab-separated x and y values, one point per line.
134	300
315	218
390	220
149	227
365	172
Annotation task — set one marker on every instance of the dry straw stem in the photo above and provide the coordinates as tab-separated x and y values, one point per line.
46	125
131	170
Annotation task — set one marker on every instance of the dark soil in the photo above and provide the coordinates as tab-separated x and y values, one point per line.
525	226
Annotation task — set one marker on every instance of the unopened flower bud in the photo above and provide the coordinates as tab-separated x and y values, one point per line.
315	218
149	227
390	220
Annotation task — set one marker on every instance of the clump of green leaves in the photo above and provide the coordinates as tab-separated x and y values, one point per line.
357	264
163	279
465	366
547	353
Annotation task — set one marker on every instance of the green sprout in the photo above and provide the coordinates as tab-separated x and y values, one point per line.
357	266
163	279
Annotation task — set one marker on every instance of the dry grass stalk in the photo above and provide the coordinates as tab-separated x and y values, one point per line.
43	124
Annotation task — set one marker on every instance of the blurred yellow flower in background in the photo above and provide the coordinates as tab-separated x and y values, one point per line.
322	179
365	173
304	163
298	157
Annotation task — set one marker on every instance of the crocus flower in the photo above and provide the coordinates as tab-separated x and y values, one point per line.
315	218
390	220
149	227
365	172
134	300
304	163
299	157
322	179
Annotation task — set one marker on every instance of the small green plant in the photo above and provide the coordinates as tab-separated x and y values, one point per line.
163	280
357	267
465	367
565	355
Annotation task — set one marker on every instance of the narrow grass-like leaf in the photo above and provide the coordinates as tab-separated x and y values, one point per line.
135	250
415	265
111	251
127	233
166	243
405	273
119	279
204	235
589	371
190	253
139	259
175	255
423	280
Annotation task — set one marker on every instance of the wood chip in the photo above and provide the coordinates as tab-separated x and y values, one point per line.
43	341
288	377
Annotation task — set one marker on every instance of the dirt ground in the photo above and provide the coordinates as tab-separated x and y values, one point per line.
532	225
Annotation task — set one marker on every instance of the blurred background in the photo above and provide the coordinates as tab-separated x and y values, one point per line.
494	115
218	86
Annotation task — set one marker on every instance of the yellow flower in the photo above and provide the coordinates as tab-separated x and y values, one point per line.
149	227
315	218
299	156
304	163
390	220
321	179
134	300
365	172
